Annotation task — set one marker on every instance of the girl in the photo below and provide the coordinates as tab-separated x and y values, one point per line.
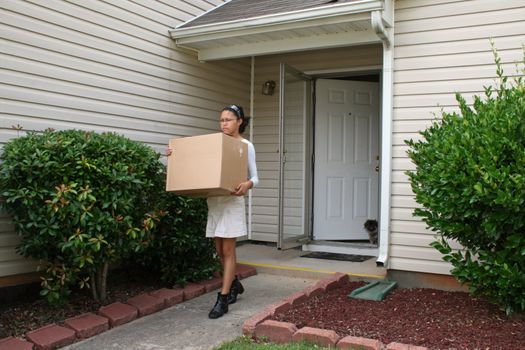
226	214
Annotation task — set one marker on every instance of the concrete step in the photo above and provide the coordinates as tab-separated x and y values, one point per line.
268	259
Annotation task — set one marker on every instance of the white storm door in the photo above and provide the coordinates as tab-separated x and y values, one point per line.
346	169
295	112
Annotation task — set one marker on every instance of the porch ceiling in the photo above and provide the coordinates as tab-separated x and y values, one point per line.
340	24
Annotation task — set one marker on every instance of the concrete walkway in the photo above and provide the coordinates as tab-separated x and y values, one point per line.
187	326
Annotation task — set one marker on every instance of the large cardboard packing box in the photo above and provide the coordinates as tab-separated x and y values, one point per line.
207	165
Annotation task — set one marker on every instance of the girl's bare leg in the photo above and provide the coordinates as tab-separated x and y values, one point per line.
229	263
226	250
218	249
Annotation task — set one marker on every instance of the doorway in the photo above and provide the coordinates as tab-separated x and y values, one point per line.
346	167
329	159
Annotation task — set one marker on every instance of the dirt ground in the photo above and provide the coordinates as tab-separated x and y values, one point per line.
32	311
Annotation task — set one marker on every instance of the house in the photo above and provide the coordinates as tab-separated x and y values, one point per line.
353	79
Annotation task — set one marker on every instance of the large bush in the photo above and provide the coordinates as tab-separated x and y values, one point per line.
470	181
80	201
179	250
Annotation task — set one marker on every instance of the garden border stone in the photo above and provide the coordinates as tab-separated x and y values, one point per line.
51	336
193	290
275	331
118	313
169	296
318	336
350	342
212	284
401	346
12	343
87	325
146	304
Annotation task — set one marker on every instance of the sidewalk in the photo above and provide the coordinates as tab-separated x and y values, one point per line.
187	326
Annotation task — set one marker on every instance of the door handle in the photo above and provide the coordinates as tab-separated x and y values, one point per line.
377	168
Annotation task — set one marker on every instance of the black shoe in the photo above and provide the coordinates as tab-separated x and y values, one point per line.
235	289
221	306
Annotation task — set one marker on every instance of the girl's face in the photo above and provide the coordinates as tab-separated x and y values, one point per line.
230	123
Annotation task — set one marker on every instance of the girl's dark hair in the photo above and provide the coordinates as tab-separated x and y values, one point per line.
239	113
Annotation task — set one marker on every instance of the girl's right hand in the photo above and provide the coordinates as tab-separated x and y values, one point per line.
243	188
169	151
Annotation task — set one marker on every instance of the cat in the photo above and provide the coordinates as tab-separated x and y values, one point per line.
371	228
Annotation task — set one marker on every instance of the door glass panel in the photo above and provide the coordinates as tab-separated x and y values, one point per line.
295	106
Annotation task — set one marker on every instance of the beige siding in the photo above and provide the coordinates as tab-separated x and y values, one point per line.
441	47
109	65
106	65
266	122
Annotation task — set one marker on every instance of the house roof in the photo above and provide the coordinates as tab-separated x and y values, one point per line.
243	28
244	9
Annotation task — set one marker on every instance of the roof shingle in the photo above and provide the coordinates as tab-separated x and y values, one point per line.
245	9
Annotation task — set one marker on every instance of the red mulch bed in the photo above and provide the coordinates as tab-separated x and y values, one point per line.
17	318
425	317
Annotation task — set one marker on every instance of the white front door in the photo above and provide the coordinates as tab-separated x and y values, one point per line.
346	168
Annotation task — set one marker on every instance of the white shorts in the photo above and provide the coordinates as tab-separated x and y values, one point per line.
226	217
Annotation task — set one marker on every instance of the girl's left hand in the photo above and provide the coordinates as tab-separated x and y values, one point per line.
242	188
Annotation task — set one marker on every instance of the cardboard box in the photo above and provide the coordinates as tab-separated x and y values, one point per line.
207	165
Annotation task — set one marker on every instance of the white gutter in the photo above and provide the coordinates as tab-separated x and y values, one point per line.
387	37
379	28
252	94
264	23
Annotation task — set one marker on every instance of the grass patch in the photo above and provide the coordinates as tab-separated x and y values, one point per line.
243	343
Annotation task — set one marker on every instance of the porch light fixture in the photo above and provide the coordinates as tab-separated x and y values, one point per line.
268	88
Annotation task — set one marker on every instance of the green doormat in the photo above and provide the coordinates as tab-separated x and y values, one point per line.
373	291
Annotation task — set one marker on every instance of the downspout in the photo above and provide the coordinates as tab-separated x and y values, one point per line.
252	89
387	37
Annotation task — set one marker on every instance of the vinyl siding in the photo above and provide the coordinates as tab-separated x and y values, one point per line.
266	124
441	47
109	65
106	65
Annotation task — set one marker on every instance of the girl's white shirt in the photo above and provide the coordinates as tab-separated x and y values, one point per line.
252	167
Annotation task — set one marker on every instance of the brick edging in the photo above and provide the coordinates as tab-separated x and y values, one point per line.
261	325
112	315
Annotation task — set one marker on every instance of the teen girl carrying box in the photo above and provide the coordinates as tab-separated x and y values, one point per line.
226	214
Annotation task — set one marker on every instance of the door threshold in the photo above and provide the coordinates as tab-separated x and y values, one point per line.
351	248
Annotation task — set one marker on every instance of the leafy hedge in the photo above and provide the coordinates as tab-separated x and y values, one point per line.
81	201
470	180
179	251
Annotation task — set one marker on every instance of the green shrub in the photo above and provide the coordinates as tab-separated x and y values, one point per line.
180	251
470	181
80	201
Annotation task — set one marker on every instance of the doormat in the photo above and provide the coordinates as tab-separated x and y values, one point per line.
337	256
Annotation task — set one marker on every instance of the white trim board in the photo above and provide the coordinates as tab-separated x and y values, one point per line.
286	45
340	72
